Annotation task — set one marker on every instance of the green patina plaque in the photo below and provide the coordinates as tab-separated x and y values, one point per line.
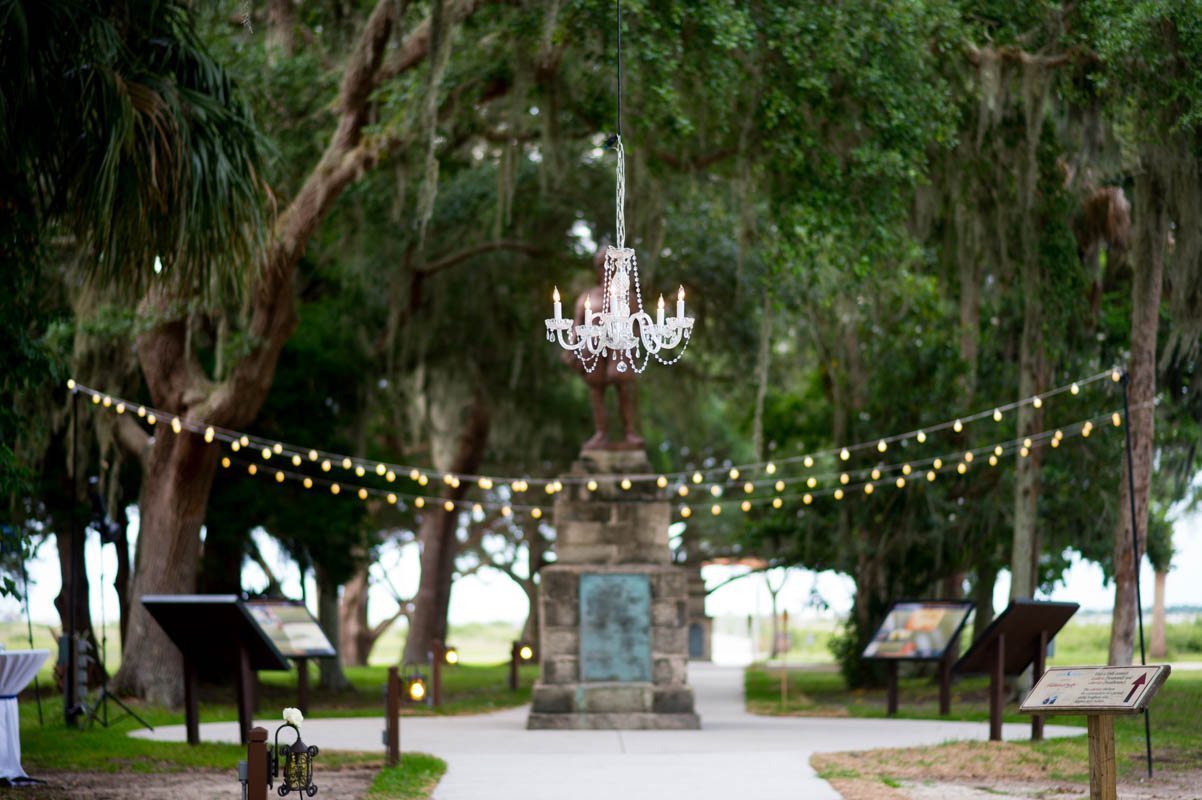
615	627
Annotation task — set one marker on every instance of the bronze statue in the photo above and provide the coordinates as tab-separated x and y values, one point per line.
605	374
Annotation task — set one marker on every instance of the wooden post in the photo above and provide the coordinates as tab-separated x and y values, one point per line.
1041	657
392	714
945	676
514	657
438	652
256	764
191	704
997	689
1103	778
891	691
302	685
246	678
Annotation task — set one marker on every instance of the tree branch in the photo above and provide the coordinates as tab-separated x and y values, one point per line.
458	257
132	439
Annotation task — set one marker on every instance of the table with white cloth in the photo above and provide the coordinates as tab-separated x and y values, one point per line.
17	669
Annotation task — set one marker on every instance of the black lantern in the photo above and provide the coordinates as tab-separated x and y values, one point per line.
293	764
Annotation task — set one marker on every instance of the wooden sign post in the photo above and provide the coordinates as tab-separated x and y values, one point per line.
1100	693
918	630
1016	639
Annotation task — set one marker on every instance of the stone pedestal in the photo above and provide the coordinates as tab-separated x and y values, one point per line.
701	627
613	609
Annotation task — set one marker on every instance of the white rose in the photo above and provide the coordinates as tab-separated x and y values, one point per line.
293	716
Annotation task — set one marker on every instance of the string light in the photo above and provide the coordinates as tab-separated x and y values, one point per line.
811	482
844	479
697	477
661	481
922	437
1116	376
771	468
312	455
1116	419
683	490
414	474
931	476
381	469
734	474
225	461
780	486
362	494
1025	451
715	509
997	415
477	509
279	477
423	480
997	451
906	469
881	446
209	434
592	486
296	461
335	488
749	487
420	502
844	454
716	490
244	440
808	462
900	483
968	457
626	484
71	384
686	512
252	469
390	476
485	483
120	408
777	502
937	463
962	468
307	483
838	494
266	453
1075	389
868	488
346	463
537	513
141	411
745	505
176	427
876	474
993	461
809	498
108	401
1037	402
325	466
391	499
448	506
95	399
958	426
506	511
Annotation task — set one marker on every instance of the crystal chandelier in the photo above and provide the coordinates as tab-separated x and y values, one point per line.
621	331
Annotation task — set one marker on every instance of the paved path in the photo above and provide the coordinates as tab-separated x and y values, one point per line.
735	755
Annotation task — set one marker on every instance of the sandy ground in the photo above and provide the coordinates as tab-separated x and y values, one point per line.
348	784
980	771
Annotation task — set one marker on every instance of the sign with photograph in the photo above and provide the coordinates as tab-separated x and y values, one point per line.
918	630
290	627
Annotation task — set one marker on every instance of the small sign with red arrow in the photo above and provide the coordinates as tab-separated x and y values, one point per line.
1095	690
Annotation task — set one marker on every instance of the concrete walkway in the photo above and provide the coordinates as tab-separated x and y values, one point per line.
736	754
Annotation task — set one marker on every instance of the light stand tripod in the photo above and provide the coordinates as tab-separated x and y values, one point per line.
99	711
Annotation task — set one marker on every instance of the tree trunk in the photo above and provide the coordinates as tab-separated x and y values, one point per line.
440	544
1147	267
355	639
175	489
124	570
982	597
221	561
1025	547
1157	647
332	676
176	484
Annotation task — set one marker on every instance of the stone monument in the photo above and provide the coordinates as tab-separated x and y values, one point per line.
613	610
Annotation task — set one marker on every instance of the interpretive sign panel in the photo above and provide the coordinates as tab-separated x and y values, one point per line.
615	627
1095	690
291	628
918	630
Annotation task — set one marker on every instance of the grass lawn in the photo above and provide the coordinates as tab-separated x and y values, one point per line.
1176	715
413	779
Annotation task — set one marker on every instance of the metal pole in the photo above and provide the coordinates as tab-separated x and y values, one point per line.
70	684
1135	557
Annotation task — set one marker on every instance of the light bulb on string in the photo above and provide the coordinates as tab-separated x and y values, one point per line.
881	446
930	476
745	505
537	513
937	463
1055	442
808	498
686	512
844	479
307	483
626	484
423	480
381	469
962	468
335	488
1024	452
734	474
1116	419
120	409
777	502
922	437
235	445
477	509
448	506
266	453
957	426
838	494
844	454
209	434
808	462
312	455
661	481
419	502
414	474
811	482
326	466
1075	389
876	474
771	468
868	488
1037	401
715	509
279	477
716	490
993	461
749	487
997	451
1116	376
296	460
906	469
362	494
391	499
252	469
176	427
245	440
697	477
900	483
683	491
485	483
141	411
591	486
346	463
108	401
968	457
277	448
506	511
780	486
390	476
997	415
71	384
225	461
